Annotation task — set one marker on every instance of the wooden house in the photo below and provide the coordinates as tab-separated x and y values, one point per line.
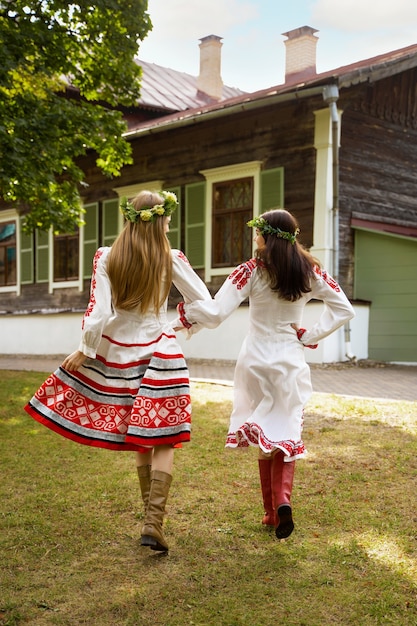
338	149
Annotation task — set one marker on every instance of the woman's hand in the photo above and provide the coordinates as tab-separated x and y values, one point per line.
74	361
300	332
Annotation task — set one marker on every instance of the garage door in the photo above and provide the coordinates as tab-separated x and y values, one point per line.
386	275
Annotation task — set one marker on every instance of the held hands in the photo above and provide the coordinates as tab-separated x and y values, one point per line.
74	361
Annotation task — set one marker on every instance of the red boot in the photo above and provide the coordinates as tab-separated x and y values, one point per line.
265	466
282	475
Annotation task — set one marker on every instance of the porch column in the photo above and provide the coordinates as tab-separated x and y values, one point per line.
323	236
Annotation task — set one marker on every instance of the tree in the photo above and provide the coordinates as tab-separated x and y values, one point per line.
66	71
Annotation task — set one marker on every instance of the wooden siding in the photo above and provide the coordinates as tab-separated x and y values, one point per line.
378	158
279	138
378	168
35	298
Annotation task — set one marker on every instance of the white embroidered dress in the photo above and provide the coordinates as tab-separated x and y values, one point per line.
133	390
272	379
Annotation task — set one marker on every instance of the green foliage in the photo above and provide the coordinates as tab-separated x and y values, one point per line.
67	68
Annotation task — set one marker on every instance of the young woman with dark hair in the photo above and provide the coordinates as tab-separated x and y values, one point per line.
272	379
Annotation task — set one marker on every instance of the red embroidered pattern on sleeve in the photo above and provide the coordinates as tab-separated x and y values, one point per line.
92	302
242	274
327	278
182	256
182	316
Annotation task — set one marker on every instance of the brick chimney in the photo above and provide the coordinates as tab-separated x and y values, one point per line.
209	80
300	60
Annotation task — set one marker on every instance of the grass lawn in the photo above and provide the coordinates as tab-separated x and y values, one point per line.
71	515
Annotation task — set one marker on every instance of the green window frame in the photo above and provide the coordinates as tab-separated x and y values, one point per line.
42	256
272	189
90	236
26	257
111	217
174	233
195	230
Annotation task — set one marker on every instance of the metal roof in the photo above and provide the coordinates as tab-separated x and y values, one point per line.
169	90
368	70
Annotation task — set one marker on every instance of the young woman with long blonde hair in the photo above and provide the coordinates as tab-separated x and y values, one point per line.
127	385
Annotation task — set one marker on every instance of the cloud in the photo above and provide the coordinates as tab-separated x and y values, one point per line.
181	19
178	25
253	54
365	16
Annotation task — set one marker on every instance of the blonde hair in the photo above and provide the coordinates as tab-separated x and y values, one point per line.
140	263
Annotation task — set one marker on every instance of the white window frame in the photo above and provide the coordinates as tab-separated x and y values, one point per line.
11	215
250	169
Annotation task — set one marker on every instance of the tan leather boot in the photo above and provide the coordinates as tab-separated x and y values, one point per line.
152	534
144	473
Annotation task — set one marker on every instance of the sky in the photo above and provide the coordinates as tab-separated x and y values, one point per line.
253	51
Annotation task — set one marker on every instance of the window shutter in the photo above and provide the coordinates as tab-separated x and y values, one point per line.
42	257
110	221
26	258
194	223
90	237
174	234
272	189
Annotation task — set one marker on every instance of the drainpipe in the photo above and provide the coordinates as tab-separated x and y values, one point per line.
330	96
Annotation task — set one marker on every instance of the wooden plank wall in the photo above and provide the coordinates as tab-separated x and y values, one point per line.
378	158
378	164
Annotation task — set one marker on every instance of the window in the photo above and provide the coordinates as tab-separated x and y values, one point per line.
66	257
230	197
8	273
232	208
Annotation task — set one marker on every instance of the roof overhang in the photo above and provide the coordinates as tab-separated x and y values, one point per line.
398	228
368	71
373	73
228	107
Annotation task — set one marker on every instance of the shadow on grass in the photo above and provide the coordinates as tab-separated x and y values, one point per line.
71	519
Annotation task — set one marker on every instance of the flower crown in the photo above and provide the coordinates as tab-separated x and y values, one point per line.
150	213
266	229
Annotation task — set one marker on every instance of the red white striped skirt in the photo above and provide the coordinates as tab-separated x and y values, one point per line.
134	395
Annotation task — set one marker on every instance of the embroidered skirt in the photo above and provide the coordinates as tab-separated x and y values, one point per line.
271	387
134	395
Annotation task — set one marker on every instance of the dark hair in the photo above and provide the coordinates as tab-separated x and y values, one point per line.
290	266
